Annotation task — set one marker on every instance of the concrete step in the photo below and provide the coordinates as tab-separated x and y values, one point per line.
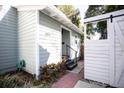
82	84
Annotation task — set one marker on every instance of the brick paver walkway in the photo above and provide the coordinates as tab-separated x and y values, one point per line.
68	80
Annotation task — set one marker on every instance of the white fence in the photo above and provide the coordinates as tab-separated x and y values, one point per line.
104	49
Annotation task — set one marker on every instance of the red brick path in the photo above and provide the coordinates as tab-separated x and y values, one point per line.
68	80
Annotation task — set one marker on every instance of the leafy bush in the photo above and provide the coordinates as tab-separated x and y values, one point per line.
49	73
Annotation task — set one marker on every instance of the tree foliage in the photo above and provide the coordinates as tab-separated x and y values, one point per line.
72	13
94	10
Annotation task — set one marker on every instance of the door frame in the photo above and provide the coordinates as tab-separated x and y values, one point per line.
121	39
111	37
63	27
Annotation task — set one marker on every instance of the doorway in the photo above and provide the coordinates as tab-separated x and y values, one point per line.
65	42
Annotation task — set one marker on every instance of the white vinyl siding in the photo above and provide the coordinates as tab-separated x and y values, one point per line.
119	51
73	44
97	60
104	59
49	40
8	40
27	26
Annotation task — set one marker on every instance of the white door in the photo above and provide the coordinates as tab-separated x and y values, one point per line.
118	24
96	49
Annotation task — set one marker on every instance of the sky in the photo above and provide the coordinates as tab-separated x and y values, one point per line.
82	9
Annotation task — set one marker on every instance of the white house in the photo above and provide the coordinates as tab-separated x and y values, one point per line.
37	34
104	48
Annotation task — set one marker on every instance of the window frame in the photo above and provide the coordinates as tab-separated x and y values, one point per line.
93	23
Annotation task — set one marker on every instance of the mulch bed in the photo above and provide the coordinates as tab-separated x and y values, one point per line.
26	77
20	74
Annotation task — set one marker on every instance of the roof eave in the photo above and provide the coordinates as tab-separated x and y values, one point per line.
60	17
52	12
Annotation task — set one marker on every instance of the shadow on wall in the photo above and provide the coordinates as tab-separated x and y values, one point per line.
8	40
43	56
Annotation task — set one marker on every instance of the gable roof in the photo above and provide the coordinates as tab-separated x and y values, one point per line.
52	12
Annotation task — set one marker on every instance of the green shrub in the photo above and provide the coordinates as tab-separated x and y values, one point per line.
49	73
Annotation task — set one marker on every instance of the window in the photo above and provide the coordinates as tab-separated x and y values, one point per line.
96	31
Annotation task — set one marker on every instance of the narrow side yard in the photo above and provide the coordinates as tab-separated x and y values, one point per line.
70	79
53	76
48	75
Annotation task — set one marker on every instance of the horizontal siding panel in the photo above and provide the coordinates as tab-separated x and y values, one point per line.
21	21
97	52
8	43
96	43
96	64
24	15
96	59
28	39
102	62
27	35
96	69
8	51
3	60
97	49
96	55
27	24
49	40
11	17
95	46
7	29
7	65
27	31
8	34
8	38
7	55
96	79
98	74
8	69
8	47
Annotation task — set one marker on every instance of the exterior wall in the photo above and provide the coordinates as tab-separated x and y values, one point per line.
18	34
104	58
27	27
118	56
8	40
119	51
50	40
96	60
73	38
